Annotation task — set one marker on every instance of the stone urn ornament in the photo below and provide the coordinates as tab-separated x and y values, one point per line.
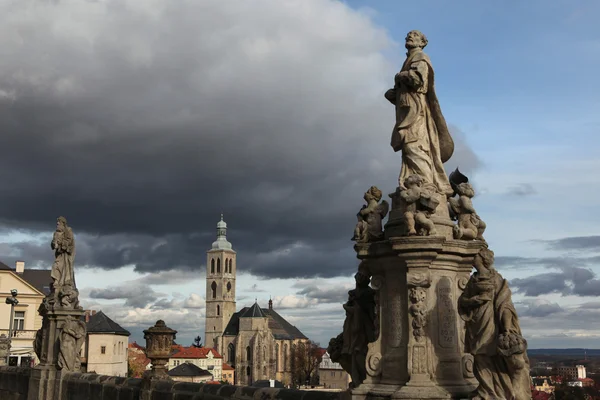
159	340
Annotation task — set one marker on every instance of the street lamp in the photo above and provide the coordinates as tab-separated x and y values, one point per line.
12	300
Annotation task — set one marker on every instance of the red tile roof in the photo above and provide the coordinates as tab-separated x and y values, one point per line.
195	352
227	367
134	345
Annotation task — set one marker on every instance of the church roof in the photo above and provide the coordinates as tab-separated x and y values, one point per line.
280	328
100	323
253	312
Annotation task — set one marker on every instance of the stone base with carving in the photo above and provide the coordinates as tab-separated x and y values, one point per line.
419	353
45	381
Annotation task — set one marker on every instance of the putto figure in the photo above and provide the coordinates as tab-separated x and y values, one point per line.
420	131
369	227
493	335
420	205
63	244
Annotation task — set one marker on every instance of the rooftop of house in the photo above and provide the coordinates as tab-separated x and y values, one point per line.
227	367
100	323
195	352
38	278
187	369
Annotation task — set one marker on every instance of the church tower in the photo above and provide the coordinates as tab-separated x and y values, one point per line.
220	287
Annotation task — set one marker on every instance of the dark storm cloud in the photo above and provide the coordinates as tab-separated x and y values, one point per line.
142	122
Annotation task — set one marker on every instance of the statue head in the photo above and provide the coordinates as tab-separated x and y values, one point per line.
373	194
61	223
484	260
415	39
465	189
362	279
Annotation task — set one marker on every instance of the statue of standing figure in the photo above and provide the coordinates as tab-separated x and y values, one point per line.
493	335
63	244
420	131
71	339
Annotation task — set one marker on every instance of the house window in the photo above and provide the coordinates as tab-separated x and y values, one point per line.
102	349
19	321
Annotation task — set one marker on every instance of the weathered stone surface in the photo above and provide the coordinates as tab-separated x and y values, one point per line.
369	226
493	334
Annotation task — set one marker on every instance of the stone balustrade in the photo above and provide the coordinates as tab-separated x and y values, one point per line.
20	334
14	384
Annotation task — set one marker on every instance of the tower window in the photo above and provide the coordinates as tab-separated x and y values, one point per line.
231	354
212	266
218	266
229	286
218	309
213	286
248	354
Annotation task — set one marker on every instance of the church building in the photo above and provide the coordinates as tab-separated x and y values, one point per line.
256	341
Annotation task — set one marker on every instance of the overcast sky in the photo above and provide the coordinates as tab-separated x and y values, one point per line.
142	120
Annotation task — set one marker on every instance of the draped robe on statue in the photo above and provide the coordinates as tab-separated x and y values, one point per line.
497	376
420	132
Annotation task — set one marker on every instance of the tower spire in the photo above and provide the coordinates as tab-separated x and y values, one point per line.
221	243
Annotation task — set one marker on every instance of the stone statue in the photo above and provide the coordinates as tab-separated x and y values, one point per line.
4	348
63	244
493	335
469	226
369	226
420	131
37	343
420	205
71	339
359	330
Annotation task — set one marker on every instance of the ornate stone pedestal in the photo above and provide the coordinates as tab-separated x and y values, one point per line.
419	353
55	357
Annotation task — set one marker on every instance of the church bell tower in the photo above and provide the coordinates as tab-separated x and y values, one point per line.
220	287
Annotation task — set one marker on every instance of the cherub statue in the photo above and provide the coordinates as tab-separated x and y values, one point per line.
469	226
369	227
419	206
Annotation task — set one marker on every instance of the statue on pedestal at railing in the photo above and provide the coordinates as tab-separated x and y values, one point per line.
420	131
63	274
493	334
71	339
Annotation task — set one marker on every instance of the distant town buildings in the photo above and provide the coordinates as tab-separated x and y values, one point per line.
32	286
331	374
105	349
202	357
257	342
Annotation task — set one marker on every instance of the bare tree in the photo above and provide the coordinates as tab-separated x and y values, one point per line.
305	358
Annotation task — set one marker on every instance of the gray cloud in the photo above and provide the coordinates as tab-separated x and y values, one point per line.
324	294
134	295
539	309
589	243
569	281
522	190
141	134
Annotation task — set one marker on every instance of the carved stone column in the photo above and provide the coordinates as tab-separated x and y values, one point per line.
419	353
57	345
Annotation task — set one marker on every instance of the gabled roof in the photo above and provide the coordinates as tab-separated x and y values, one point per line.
253	312
100	323
195	352
40	279
280	328
187	369
227	367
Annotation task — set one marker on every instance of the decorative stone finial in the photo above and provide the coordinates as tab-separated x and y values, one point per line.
159	340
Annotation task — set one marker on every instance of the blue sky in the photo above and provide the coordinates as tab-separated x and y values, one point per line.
158	117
